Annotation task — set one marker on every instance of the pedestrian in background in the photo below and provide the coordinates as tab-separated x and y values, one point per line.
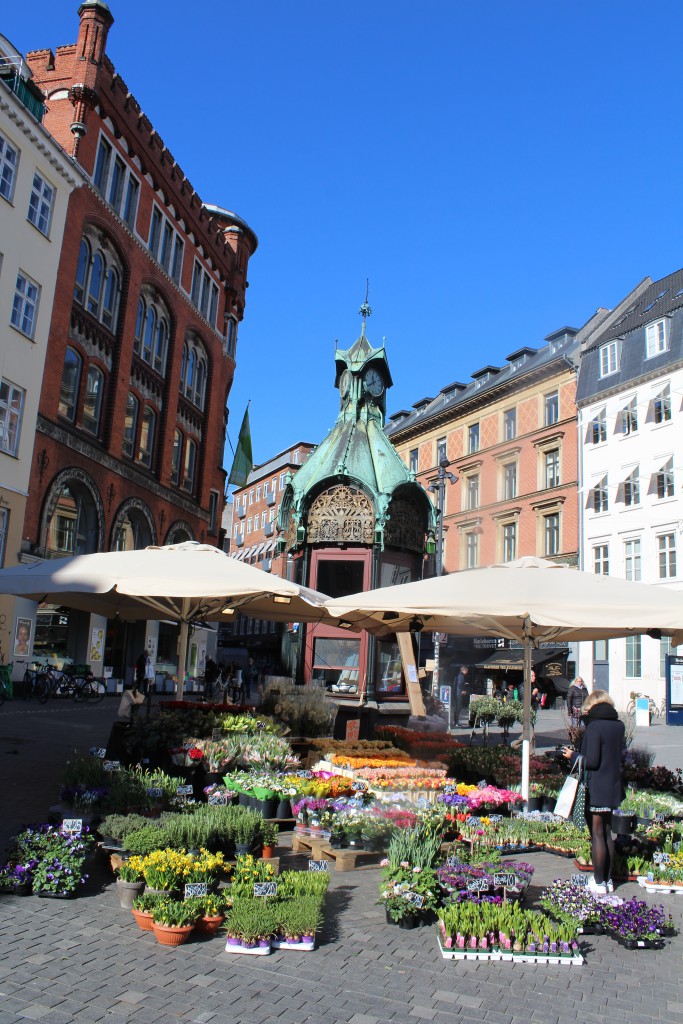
577	694
462	693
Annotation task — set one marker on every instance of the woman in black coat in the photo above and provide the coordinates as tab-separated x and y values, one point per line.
601	748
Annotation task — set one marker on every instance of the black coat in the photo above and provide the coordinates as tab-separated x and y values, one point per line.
576	695
601	748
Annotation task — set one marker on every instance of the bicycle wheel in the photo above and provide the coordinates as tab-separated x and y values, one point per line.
42	688
79	688
95	690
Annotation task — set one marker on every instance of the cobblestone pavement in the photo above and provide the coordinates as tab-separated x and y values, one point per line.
86	961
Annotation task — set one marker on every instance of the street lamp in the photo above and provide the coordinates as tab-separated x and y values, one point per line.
438	487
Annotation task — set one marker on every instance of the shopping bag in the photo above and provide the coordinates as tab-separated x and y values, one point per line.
579	811
567	796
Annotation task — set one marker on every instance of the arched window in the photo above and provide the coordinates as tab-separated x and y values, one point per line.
132	531
82	271
190	466
98	279
110	306
193	371
71	380
95	285
147	431
92	405
177	454
130	426
72	528
152	331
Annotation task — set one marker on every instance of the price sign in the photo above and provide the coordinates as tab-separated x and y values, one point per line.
450	789
261	725
508	881
477	885
660	817
98	752
112	766
195	889
265	888
415	898
218	799
155	791
317	865
676	847
473	819
661	858
305	775
482	784
579	879
184	790
495	818
72	825
360	785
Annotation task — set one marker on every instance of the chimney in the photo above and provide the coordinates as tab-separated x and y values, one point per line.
96	20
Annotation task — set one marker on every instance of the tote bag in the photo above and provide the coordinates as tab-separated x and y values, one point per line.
579	811
567	796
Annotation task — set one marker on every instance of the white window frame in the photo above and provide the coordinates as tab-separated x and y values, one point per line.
551	408
599	427
657	338
667	555
634	657
609	357
632	488
600	496
551	464
633	565
25	305
12	399
601	559
473	438
9	167
510	481
662	405
472	549
552	526
125	201
41	204
665	480
510	424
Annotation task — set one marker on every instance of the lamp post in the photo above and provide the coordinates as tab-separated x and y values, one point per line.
438	486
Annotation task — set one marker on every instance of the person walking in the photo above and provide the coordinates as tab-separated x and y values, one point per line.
249	677
576	695
601	749
462	693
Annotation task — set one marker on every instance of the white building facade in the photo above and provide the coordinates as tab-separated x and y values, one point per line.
630	408
36	180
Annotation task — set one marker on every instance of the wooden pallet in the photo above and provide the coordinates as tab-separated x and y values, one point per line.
320	849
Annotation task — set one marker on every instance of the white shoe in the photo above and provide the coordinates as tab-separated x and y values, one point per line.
599	888
610	885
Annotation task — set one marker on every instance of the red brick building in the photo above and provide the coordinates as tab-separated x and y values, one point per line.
141	350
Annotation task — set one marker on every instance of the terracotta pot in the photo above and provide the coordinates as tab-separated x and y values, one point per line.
143	919
209	925
268	852
171	936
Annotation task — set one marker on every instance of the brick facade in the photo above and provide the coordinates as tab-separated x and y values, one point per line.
141	349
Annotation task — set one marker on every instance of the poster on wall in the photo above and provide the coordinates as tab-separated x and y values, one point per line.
22	637
97	645
676	690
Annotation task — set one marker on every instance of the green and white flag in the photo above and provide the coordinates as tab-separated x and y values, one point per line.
242	464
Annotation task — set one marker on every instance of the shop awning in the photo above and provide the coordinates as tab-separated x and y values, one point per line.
514	660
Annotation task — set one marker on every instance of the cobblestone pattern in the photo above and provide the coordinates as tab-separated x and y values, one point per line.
86	961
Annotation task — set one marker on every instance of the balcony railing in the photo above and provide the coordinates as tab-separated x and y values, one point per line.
269	529
241	510
266	564
23	89
271	498
239	540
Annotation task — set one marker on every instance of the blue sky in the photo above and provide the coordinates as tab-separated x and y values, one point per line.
496	170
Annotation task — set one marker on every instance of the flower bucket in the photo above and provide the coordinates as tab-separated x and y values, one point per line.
127	892
209	925
143	919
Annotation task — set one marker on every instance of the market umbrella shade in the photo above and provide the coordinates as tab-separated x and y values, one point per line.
187	582
530	600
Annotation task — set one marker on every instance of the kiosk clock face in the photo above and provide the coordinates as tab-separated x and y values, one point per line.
344	383
373	382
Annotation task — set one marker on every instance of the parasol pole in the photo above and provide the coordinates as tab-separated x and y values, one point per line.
182	648
526	724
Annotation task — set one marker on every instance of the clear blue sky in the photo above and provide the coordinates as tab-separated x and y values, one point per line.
497	170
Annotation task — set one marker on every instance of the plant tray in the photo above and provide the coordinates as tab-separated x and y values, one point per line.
15	890
256	951
511	850
582	867
557	852
660	887
302	947
591	929
638	943
520	958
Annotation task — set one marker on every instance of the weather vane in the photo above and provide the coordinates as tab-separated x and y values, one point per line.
365	310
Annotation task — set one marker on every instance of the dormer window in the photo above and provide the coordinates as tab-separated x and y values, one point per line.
609	357
656	338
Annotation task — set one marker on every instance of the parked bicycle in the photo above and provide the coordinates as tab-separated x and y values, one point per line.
656	710
31	676
6	691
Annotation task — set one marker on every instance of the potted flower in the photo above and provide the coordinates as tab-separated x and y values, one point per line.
298	920
143	910
173	921
353	831
246	828
249	926
130	881
165	870
211	912
635	924
270	835
17	879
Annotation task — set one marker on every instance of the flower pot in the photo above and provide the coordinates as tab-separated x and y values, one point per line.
534	803
143	919
44	894
269	807
209	925
623	824
243	799
242	849
548	804
127	892
268	852
643	822
168	935
149	891
409	921
284	809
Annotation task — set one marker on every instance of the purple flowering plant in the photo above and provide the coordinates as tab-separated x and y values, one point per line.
634	919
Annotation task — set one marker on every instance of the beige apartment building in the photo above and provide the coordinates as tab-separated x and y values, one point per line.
36	181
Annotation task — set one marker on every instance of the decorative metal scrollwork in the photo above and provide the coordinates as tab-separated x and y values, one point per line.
341	515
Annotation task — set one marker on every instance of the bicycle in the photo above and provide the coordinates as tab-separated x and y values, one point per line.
88	688
6	690
655	709
31	675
